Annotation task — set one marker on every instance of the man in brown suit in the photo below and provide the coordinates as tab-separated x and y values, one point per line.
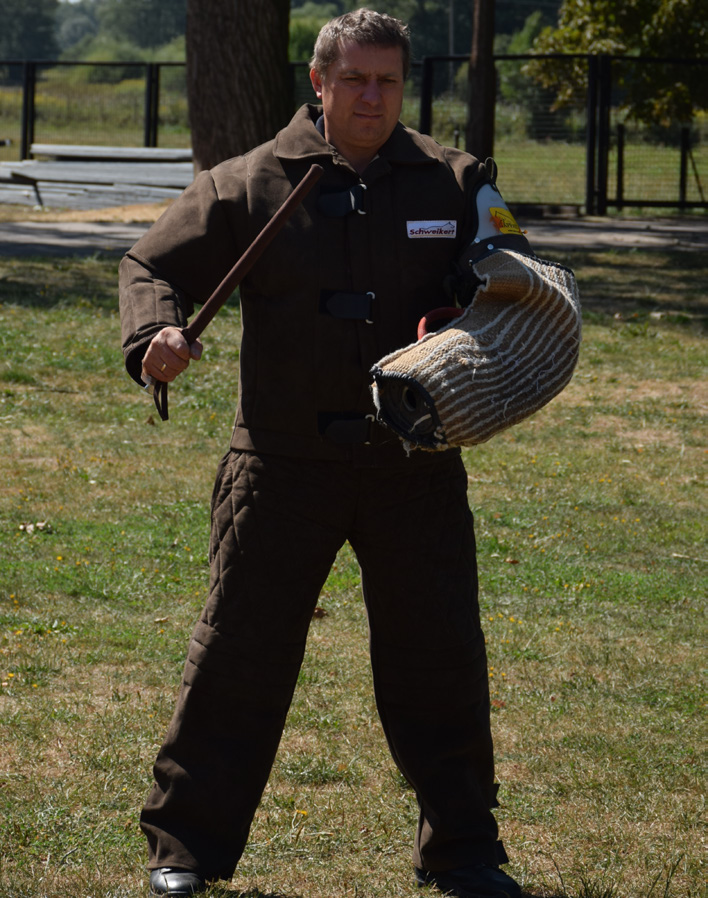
309	468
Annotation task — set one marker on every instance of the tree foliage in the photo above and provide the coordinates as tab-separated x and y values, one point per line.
28	29
516	88
432	32
76	23
305	24
86	25
676	29
42	28
145	23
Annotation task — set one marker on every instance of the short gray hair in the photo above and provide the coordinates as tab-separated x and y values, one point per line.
363	26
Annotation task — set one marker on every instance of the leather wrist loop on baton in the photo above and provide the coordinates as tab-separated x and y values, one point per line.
159	395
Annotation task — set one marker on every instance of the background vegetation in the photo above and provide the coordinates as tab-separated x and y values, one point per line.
44	28
591	530
122	30
540	105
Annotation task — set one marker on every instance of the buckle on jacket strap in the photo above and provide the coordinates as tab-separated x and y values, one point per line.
354	306
345	427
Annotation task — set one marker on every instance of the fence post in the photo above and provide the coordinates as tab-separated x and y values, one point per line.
603	131
620	166
683	175
29	83
152	99
591	136
425	124
156	104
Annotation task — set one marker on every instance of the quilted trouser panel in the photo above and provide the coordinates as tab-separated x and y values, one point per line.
429	660
270	558
277	525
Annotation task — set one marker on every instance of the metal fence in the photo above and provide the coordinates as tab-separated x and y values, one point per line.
636	164
93	104
587	154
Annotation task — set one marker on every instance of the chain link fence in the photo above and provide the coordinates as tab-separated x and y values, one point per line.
656	164
588	153
96	104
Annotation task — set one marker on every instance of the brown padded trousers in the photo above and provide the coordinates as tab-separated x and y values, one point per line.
277	524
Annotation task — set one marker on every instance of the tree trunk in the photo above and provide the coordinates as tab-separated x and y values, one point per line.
482	82
239	85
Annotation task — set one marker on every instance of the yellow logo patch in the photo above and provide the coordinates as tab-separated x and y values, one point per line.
504	221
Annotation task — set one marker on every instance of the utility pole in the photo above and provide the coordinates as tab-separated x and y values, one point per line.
451	44
482	82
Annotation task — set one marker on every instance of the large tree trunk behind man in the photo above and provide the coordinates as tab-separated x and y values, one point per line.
239	86
482	82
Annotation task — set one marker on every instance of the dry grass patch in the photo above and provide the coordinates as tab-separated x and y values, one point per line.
133	213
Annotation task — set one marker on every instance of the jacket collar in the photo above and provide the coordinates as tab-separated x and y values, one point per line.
301	140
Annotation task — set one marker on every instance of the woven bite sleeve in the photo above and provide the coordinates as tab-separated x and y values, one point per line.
510	353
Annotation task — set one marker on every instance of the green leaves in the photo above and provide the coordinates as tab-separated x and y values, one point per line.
652	28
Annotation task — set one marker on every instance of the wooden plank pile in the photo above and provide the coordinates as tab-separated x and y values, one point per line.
96	177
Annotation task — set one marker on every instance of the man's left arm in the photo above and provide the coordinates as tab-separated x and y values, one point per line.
509	349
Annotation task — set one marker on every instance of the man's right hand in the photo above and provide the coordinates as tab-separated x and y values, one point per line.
169	354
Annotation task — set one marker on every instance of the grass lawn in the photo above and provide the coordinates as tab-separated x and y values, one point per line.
592	552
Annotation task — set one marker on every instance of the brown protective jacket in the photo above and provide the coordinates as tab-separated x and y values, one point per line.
310	334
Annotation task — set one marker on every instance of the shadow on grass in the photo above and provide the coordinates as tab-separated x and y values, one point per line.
65	282
251	893
622	283
223	891
545	895
47	283
641	284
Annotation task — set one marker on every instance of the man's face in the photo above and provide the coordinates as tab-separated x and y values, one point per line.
361	95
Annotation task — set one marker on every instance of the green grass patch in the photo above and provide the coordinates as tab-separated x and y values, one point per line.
591	537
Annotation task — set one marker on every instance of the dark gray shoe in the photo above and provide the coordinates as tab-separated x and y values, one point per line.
478	881
174	882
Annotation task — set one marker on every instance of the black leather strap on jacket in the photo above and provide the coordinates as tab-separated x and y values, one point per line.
345	427
356	306
342	202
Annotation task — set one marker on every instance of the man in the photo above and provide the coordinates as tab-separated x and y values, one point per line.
344	283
